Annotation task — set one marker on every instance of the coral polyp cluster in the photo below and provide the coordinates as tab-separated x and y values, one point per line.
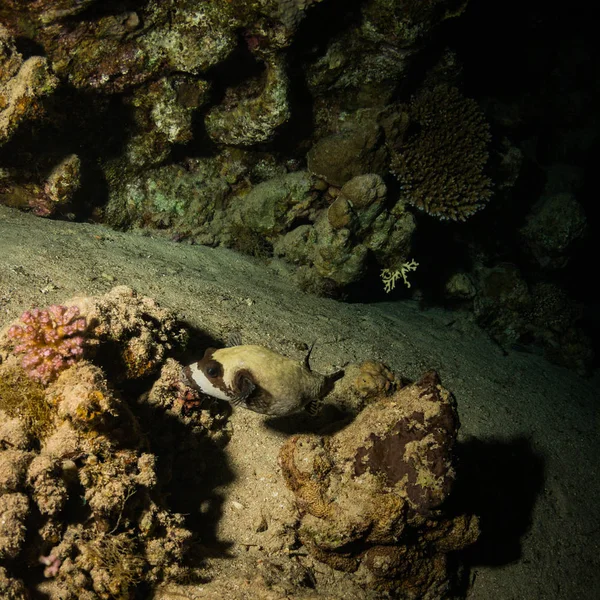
50	340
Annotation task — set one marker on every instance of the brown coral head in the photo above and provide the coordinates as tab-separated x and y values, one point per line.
387	561
415	455
385	454
375	379
339	213
429	379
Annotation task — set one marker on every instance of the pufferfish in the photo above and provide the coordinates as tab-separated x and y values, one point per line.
261	380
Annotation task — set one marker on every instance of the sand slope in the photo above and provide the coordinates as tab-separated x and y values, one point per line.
530	431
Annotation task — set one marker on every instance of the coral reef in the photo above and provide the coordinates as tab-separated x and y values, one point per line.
357	149
162	116
271	127
364	383
154	56
460	287
60	186
364	62
291	12
150	55
369	497
131	336
328	233
23	398
355	225
50	342
244	119
441	166
272	207
556	224
538	317
190	201
11	589
91	484
43	195
250	197
78	472
375	380
23	84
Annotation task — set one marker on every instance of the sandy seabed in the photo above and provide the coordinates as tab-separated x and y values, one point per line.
529	439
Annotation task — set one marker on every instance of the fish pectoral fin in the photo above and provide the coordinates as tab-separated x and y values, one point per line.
312	408
243	386
236	400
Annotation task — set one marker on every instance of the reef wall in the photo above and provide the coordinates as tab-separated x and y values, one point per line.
332	135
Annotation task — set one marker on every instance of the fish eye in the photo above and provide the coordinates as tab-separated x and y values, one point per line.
212	369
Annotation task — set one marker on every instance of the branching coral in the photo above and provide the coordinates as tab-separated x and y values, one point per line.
441	166
389	277
50	341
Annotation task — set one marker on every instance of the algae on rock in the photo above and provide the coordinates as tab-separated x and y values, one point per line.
370	496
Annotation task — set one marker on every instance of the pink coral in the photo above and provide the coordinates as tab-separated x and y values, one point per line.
49	340
52	565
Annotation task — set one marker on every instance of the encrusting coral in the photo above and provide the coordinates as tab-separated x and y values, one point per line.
374	379
369	497
354	227
441	165
252	120
23	398
83	504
